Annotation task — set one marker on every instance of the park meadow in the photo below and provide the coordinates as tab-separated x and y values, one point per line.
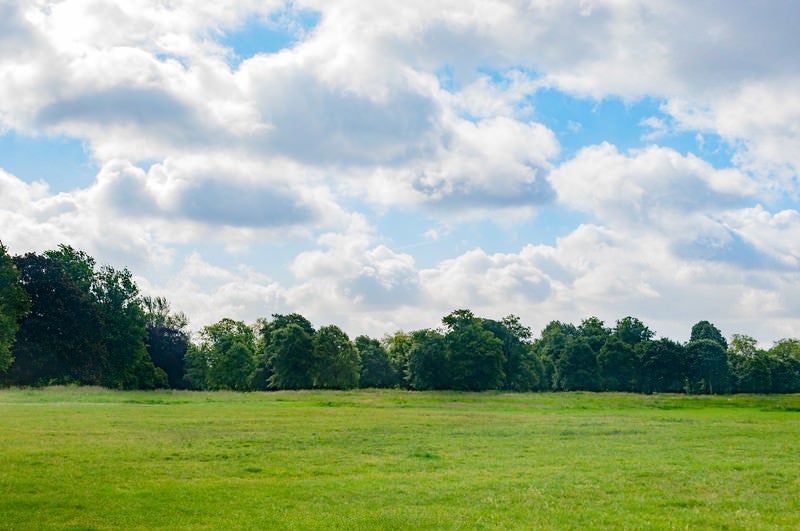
91	458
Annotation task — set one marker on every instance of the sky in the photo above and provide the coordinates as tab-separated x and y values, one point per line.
376	165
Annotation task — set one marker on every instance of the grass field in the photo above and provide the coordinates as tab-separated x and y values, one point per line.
86	458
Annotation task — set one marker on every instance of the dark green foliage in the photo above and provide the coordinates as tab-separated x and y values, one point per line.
60	340
14	304
523	369
196	366
291	354
337	365
427	361
707	364
263	376
784	359
706	330
167	349
663	366
167	340
128	364
594	332
619	365
549	348
224	359
750	369
398	347
576	368
376	370
632	331
475	354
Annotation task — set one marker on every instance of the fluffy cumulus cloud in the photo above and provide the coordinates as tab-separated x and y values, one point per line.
249	153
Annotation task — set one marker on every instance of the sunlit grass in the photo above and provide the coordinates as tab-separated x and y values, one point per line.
90	458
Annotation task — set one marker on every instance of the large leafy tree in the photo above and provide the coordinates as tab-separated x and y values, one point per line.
224	357
663	366
337	364
291	353
60	339
398	347
167	339
706	330
549	348
523	369
594	332
376	369
475	353
124	331
263	375
749	366
619	356
427	361
576	367
618	363
784	359
14	304
632	331
707	366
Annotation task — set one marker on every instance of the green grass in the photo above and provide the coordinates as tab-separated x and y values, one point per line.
85	458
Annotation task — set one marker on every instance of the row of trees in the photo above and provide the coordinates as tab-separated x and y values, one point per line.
64	320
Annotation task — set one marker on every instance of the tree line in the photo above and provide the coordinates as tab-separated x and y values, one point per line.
64	320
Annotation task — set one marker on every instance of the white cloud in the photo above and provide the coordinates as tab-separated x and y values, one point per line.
423	106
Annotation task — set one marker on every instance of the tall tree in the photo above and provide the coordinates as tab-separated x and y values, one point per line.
618	363
291	353
427	361
59	340
225	354
749	366
632	331
576	367
475	354
594	332
398	347
124	332
550	346
337	365
376	370
784	359
14	304
663	366
706	330
263	375
708	366
167	339
523	369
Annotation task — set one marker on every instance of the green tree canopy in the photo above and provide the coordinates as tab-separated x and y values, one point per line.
706	330
60	339
337	364
663	366
576	368
475	353
376	369
14	304
427	361
291	353
707	367
224	358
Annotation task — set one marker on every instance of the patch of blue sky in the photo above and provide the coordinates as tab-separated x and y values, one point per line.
268	35
61	162
580	122
430	242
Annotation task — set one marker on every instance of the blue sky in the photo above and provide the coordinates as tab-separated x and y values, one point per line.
377	165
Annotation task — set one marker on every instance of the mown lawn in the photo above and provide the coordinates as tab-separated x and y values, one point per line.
87	458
